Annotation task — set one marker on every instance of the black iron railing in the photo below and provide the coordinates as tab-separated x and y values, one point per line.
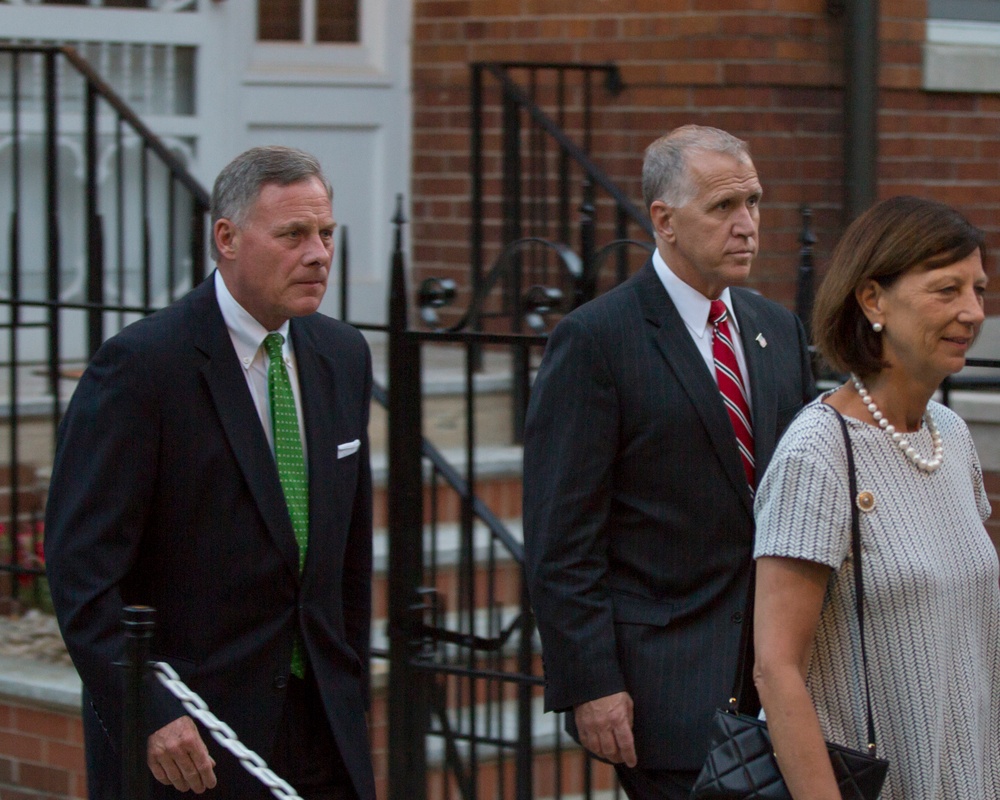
548	189
465	671
103	224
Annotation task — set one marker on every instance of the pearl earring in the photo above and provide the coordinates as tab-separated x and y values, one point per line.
877	327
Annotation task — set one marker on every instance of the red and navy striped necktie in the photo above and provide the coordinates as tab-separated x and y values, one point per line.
734	393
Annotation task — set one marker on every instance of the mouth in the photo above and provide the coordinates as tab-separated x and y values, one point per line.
963	342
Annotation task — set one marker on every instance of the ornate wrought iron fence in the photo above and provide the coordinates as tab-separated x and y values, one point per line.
102	224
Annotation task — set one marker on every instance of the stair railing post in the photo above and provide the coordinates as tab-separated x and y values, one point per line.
138	623
525	664
94	232
407	703
804	292
587	283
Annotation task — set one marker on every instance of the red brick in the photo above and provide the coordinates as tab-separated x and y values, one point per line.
46	724
44	779
20	746
69	757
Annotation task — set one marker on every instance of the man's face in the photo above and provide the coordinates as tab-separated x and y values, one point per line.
276	265
710	242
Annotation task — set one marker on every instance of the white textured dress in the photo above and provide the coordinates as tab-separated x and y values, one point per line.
932	598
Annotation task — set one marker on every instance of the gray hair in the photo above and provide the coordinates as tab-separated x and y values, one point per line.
665	173
239	184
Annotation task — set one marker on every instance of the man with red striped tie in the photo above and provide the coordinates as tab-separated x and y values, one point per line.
654	414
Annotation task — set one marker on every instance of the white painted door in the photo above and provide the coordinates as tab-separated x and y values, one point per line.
347	103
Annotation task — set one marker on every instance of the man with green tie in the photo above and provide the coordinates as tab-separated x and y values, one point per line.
213	464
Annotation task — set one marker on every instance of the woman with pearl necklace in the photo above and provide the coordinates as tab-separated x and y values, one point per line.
900	306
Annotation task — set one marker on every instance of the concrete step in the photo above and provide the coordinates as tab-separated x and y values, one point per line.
497	478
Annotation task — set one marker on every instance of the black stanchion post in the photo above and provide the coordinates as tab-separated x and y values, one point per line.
138	623
408	714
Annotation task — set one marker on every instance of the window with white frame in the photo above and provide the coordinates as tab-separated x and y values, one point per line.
308	21
962	48
979	10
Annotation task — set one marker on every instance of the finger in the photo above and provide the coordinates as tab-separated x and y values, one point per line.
625	743
204	764
158	772
609	748
191	774
173	772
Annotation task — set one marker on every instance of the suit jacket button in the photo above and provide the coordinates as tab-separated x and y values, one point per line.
280	681
737	617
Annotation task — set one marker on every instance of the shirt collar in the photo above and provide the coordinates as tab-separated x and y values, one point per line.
247	334
691	304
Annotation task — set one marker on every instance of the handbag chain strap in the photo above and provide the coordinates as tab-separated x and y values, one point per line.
859	594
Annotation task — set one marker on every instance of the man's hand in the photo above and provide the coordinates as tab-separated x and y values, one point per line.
177	757
605	728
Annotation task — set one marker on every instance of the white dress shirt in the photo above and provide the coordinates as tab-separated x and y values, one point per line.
693	307
248	337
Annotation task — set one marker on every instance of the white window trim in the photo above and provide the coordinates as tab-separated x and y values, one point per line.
962	56
327	63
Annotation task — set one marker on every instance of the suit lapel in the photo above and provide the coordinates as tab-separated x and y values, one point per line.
674	342
228	388
760	366
316	385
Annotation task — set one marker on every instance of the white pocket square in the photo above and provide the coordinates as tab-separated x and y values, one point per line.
347	448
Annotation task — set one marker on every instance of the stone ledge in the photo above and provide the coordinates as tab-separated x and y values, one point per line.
981	412
51	686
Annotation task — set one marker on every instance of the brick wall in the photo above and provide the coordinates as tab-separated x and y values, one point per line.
770	71
41	753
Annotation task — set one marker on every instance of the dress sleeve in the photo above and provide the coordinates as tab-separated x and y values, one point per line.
978	485
802	506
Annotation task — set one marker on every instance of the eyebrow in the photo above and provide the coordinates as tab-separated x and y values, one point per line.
299	224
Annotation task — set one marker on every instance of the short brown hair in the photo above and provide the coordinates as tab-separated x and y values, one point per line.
888	240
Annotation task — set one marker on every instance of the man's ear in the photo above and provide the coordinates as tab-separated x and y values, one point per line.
869	296
662	215
226	238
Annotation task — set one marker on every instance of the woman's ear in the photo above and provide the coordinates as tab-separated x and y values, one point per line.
869	296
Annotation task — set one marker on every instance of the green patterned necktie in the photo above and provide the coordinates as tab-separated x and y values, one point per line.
291	464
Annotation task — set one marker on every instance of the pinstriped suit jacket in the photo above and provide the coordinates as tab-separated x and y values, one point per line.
638	519
165	493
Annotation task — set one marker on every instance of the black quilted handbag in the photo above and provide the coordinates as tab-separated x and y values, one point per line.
741	764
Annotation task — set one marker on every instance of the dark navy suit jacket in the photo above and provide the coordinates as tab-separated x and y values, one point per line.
638	518
165	493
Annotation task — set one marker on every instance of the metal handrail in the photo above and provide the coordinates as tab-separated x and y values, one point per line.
595	174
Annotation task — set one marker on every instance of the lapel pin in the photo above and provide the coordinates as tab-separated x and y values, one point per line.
761	340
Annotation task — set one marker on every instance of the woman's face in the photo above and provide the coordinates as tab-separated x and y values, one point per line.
930	317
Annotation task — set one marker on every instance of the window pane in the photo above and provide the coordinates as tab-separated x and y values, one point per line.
279	20
982	10
336	20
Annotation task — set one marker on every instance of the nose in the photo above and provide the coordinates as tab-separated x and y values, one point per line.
972	312
745	221
318	251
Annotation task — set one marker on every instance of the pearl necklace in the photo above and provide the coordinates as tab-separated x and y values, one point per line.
925	464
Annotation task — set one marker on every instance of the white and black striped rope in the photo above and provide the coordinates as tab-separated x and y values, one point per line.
222	733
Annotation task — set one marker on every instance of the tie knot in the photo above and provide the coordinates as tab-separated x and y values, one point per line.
717	313
272	344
